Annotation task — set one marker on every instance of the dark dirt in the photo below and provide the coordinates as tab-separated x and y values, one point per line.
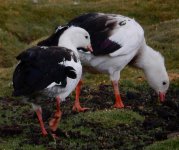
161	121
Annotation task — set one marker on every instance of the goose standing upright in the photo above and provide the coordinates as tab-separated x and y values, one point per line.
53	71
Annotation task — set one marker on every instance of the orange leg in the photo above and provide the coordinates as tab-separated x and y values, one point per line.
77	107
39	115
53	123
118	101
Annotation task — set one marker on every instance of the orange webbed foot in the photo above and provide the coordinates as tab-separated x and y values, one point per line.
53	123
78	108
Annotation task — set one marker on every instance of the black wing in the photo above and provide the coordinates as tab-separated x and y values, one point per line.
100	27
39	67
53	39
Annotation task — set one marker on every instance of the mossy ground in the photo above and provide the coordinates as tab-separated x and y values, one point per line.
165	145
137	127
142	123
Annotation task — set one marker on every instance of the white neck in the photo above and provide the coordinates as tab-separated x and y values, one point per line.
152	63
146	58
67	42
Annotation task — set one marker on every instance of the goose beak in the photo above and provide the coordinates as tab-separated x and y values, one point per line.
162	97
89	48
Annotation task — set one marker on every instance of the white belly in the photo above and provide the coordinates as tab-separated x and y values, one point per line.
54	89
105	64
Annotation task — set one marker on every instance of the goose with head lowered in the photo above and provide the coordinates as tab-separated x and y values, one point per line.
52	71
119	41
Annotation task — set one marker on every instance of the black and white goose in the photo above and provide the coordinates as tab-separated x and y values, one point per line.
118	41
53	71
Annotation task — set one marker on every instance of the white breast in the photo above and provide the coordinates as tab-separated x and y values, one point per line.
56	90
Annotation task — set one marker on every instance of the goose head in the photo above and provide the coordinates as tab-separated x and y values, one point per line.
70	37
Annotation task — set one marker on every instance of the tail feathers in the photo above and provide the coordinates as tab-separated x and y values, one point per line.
70	72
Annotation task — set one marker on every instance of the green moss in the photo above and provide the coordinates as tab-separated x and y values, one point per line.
164	37
10	46
170	144
15	143
106	118
6	81
112	118
22	22
11	114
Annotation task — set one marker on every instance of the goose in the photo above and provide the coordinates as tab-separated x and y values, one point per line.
118	41
51	71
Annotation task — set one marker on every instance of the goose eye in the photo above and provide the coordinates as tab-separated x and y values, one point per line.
164	83
86	37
